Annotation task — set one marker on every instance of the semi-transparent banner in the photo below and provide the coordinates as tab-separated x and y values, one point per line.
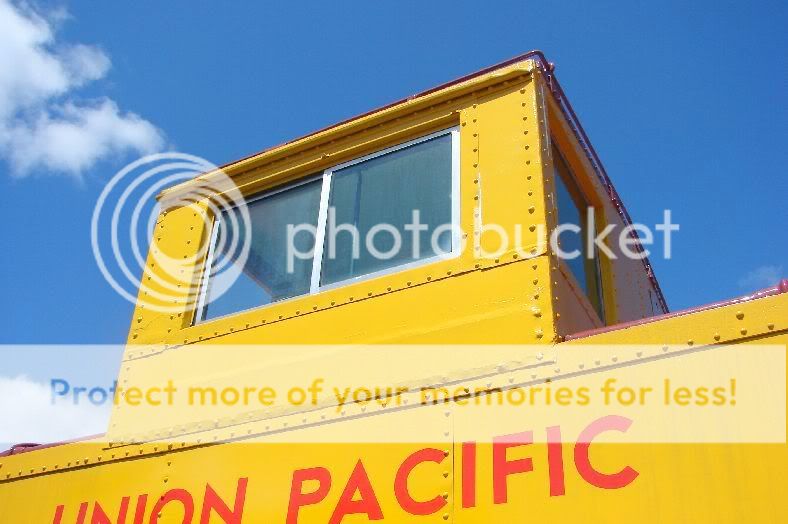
378	393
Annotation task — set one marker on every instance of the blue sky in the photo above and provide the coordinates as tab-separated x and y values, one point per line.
685	102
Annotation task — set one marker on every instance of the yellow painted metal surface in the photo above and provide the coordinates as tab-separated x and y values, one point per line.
197	466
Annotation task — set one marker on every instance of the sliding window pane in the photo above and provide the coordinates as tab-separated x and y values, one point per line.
373	204
266	276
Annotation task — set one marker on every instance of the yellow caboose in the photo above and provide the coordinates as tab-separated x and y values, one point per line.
457	385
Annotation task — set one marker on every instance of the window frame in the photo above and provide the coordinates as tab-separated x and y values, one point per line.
592	267
322	222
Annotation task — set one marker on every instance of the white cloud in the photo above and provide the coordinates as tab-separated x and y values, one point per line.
764	276
72	138
42	126
29	415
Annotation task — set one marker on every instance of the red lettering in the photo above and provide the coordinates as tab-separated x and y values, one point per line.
503	468
212	501
469	474
179	495
83	511
139	512
100	517
404	498
299	498
368	503
57	519
583	461
555	461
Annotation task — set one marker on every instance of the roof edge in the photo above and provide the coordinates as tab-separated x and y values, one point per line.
780	288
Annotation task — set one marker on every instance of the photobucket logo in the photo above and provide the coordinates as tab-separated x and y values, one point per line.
567	240
406	237
166	282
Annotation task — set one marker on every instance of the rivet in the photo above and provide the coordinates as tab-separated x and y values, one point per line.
716	336
743	331
531	209
770	326
739	315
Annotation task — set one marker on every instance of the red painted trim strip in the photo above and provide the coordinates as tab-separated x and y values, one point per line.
535	54
18	449
780	288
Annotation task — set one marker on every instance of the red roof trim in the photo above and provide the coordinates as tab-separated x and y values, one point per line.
780	288
18	449
536	55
